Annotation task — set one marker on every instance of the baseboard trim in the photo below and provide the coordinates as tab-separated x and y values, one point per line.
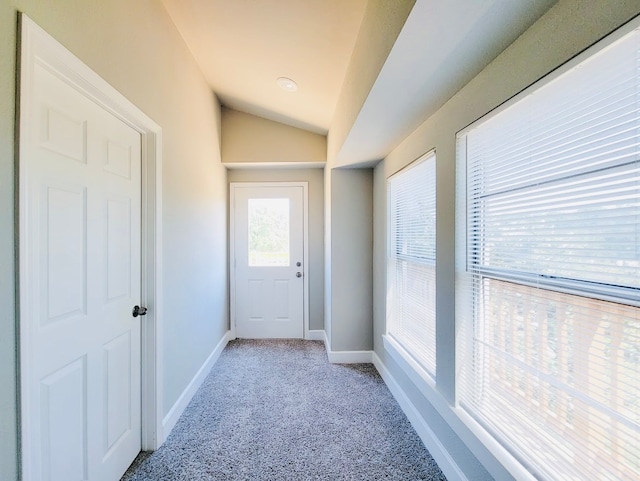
445	461
183	401
350	357
346	357
315	335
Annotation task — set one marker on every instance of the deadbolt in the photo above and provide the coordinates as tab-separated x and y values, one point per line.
298	264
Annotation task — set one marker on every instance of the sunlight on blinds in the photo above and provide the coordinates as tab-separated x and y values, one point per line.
411	293
549	302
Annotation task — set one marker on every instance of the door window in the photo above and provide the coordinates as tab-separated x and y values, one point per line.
268	232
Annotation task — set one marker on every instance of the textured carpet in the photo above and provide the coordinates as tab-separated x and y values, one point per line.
277	410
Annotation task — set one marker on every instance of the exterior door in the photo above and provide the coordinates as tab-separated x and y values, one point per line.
82	237
268	247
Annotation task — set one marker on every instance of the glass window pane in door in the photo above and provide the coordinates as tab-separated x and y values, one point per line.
268	232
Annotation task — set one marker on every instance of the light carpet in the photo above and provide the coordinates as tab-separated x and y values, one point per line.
278	410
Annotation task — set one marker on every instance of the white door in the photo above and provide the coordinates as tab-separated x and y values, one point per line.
268	248
82	236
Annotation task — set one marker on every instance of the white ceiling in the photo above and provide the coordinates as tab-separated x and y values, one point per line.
243	46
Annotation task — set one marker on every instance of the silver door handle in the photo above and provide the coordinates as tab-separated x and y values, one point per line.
298	274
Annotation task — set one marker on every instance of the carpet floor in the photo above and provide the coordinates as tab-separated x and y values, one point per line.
278	410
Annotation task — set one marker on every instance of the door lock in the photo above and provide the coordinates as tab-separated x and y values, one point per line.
298	274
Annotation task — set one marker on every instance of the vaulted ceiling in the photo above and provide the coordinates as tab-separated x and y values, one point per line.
243	46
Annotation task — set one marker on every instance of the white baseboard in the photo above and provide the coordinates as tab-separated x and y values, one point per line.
315	335
347	357
445	461
350	357
181	404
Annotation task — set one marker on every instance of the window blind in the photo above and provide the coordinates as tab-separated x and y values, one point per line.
411	260
549	312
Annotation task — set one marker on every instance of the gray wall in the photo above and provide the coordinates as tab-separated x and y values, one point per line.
565	30
351	260
135	47
315	270
348	308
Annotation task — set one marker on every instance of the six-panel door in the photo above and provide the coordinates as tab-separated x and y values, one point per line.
83	240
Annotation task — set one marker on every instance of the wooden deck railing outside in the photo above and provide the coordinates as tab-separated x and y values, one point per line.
568	366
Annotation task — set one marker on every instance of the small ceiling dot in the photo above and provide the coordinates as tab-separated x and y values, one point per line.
287	84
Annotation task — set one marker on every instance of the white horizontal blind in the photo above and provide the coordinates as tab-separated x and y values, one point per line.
411	293
550	350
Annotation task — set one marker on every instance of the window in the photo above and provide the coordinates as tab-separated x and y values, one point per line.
411	260
268	232
549	286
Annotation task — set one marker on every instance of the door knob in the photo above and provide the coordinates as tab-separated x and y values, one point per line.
139	311
298	274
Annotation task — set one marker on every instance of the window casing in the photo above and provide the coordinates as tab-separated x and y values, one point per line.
411	260
548	286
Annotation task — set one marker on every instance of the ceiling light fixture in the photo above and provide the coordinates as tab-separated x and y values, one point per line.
287	84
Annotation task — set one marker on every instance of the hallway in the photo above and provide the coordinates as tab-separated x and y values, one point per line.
277	410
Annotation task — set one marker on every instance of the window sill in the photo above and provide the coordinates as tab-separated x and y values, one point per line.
412	368
484	446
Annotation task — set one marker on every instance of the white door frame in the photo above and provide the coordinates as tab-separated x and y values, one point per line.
232	255
38	47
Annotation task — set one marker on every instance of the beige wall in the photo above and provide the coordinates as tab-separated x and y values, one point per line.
134	46
563	31
315	270
8	413
247	138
